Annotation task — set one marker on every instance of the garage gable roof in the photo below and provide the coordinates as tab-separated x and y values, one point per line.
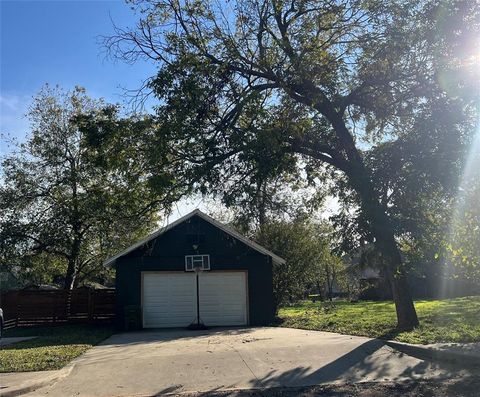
209	219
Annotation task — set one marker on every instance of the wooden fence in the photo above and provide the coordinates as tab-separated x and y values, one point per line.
31	307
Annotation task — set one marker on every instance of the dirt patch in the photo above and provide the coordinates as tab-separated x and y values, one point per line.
457	387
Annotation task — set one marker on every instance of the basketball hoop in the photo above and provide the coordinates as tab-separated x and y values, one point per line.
197	268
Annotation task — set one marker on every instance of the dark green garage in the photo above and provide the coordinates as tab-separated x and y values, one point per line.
158	275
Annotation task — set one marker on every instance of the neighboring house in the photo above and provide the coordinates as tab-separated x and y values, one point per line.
371	283
41	287
93	285
156	275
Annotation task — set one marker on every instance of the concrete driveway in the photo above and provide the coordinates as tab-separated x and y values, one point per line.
170	361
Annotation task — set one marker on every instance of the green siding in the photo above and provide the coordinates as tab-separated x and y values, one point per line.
167	253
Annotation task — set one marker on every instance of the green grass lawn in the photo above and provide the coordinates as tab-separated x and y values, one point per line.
450	320
54	347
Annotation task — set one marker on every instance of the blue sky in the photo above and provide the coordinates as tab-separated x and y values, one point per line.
57	42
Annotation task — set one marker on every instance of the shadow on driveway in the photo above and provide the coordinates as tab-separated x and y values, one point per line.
370	360
162	335
180	361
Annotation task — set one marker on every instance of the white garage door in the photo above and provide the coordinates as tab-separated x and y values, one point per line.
169	299
223	298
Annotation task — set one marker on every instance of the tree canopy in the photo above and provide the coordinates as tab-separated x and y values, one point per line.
281	86
310	263
64	209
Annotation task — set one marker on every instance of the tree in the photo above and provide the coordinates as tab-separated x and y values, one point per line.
417	177
461	255
258	200
64	208
306	249
331	269
326	74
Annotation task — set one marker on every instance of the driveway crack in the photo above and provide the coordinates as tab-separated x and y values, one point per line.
241	357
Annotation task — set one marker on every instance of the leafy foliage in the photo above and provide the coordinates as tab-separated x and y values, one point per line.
306	248
268	88
462	242
65	209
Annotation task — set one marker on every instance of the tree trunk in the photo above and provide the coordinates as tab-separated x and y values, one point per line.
385	243
70	276
320	291
379	222
406	314
329	283
261	204
349	160
72	268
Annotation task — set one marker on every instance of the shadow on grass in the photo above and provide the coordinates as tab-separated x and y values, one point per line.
441	321
58	335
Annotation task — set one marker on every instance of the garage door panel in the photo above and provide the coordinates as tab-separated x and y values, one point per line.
223	298
169	299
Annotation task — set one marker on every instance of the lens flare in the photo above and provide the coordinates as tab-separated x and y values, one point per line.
463	245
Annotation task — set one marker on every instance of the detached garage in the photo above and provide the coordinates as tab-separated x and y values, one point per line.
196	264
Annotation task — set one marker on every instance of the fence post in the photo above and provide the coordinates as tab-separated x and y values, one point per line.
90	306
22	307
67	304
17	310
55	304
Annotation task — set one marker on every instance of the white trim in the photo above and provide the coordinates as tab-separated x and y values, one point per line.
192	257
210	220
